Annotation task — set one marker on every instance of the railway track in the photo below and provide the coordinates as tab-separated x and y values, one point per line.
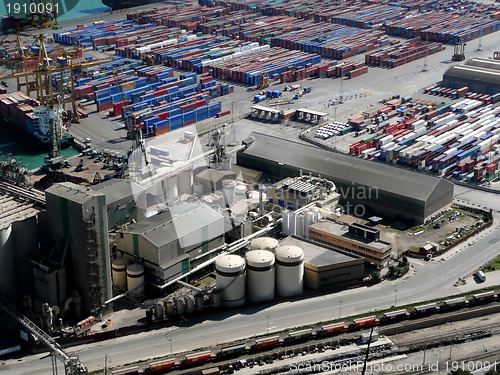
32	194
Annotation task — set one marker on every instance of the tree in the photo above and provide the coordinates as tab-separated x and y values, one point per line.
460	372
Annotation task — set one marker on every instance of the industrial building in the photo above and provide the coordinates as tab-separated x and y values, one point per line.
478	74
358	239
169	242
325	267
363	185
79	220
293	193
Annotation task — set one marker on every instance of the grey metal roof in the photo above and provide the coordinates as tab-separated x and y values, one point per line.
71	191
317	254
342	168
475	73
484	63
116	189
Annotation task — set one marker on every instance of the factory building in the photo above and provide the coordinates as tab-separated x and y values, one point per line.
363	185
79	220
325	267
293	193
358	239
168	243
478	74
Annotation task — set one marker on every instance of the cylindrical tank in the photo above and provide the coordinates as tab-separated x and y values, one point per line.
239	219
260	275
172	190
119	272
240	192
190	304
299	225
289	270
264	243
230	279
179	304
317	214
159	310
291	223
135	279
309	219
215	297
200	301
169	307
228	191
185	182
285	224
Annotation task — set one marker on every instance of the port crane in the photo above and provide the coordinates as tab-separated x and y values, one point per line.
72	364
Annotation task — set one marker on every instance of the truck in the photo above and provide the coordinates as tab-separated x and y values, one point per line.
481	276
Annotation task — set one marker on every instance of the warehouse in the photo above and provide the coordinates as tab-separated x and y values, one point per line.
479	75
168	242
358	239
363	185
325	267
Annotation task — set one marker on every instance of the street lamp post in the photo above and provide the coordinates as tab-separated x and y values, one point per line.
395	294
267	318
168	336
340	309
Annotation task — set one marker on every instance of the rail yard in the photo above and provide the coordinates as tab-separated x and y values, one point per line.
260	183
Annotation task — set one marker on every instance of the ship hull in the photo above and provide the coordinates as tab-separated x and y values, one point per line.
122	4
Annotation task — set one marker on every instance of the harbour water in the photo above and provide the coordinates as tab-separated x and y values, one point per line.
18	145
13	142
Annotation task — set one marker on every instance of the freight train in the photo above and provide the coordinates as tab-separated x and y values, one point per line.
295	337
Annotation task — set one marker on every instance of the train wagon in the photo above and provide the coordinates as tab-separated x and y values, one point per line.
161	366
393	316
455	303
197	358
425	309
332	329
127	371
265	343
297	336
364	322
484	297
231	351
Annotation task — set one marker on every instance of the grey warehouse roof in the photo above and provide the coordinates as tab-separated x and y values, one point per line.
475	73
345	168
483	63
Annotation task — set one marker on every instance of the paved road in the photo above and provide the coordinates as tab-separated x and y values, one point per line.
430	280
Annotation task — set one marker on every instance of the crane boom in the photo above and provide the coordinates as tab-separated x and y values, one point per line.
72	364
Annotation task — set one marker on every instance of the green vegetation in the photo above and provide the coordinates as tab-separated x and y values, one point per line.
493	265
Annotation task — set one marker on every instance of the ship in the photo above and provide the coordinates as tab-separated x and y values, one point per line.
29	116
122	4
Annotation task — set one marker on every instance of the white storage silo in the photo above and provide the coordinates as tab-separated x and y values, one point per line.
230	279
228	187
309	220
185	182
289	270
299	225
285	224
317	214
119	273
240	192
264	243
135	279
260	275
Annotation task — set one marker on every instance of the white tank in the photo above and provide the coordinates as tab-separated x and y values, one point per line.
228	187
190	304
291	223
240	192
230	279
185	182
180	304
309	220
285	224
289	270
260	275
264	243
119	272
317	214
239	219
299	225
172	190
135	279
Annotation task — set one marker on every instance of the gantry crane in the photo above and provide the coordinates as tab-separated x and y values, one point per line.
72	364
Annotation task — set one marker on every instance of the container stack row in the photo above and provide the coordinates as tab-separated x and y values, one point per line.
402	53
18	108
249	69
459	140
